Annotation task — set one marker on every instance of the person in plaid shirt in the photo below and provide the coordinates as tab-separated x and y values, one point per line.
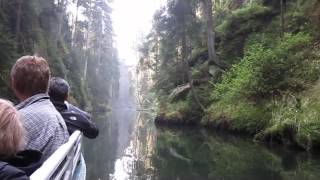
45	128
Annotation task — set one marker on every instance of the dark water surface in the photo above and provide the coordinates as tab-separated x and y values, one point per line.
188	153
131	147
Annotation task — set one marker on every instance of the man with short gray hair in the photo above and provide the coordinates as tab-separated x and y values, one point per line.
75	118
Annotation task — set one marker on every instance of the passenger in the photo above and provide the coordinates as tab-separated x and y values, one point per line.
45	127
14	163
75	118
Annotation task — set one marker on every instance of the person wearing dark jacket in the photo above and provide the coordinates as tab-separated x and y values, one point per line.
75	118
15	163
27	160
8	172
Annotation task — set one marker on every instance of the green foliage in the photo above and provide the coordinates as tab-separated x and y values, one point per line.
236	27
7	53
185	111
242	116
44	28
267	69
261	68
196	74
295	119
304	16
175	112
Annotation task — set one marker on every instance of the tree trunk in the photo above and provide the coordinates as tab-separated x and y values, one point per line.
282	11
99	56
184	57
61	8
87	45
187	69
74	30
157	56
85	68
210	32
18	21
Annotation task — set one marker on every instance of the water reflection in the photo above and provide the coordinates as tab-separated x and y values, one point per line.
100	153
116	128
189	153
131	147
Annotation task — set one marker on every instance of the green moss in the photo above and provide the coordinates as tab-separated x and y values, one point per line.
265	69
296	119
196	74
270	67
241	116
234	31
266	89
186	111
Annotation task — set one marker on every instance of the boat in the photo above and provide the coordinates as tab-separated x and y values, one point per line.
65	163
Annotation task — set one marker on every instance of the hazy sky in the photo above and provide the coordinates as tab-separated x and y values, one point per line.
131	20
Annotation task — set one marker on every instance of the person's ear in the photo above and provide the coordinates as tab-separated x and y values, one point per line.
67	97
13	86
20	96
12	83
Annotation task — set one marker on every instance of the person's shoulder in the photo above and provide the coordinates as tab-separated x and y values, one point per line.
75	109
27	160
38	113
30	114
8	172
44	106
72	107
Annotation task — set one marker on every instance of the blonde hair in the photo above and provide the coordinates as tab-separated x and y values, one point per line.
11	130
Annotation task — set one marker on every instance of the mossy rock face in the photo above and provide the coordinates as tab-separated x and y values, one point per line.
199	57
234	31
173	118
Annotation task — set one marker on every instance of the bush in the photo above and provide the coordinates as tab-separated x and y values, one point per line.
8	55
295	120
185	111
269	68
235	29
242	116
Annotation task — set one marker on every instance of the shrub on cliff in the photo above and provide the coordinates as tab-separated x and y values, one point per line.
269	68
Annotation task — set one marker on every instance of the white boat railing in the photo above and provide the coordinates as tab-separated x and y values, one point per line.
63	162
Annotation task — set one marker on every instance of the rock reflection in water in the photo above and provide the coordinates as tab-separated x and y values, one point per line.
188	153
100	153
136	163
103	153
130	147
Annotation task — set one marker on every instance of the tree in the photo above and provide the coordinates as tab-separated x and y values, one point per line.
73	47
210	31
61	8
282	12
18	21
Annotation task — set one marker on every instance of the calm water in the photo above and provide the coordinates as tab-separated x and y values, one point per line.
166	153
131	147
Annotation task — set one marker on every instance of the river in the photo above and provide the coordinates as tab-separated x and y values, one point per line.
131	147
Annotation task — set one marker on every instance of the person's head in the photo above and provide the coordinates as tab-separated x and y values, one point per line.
11	130
30	76
58	89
